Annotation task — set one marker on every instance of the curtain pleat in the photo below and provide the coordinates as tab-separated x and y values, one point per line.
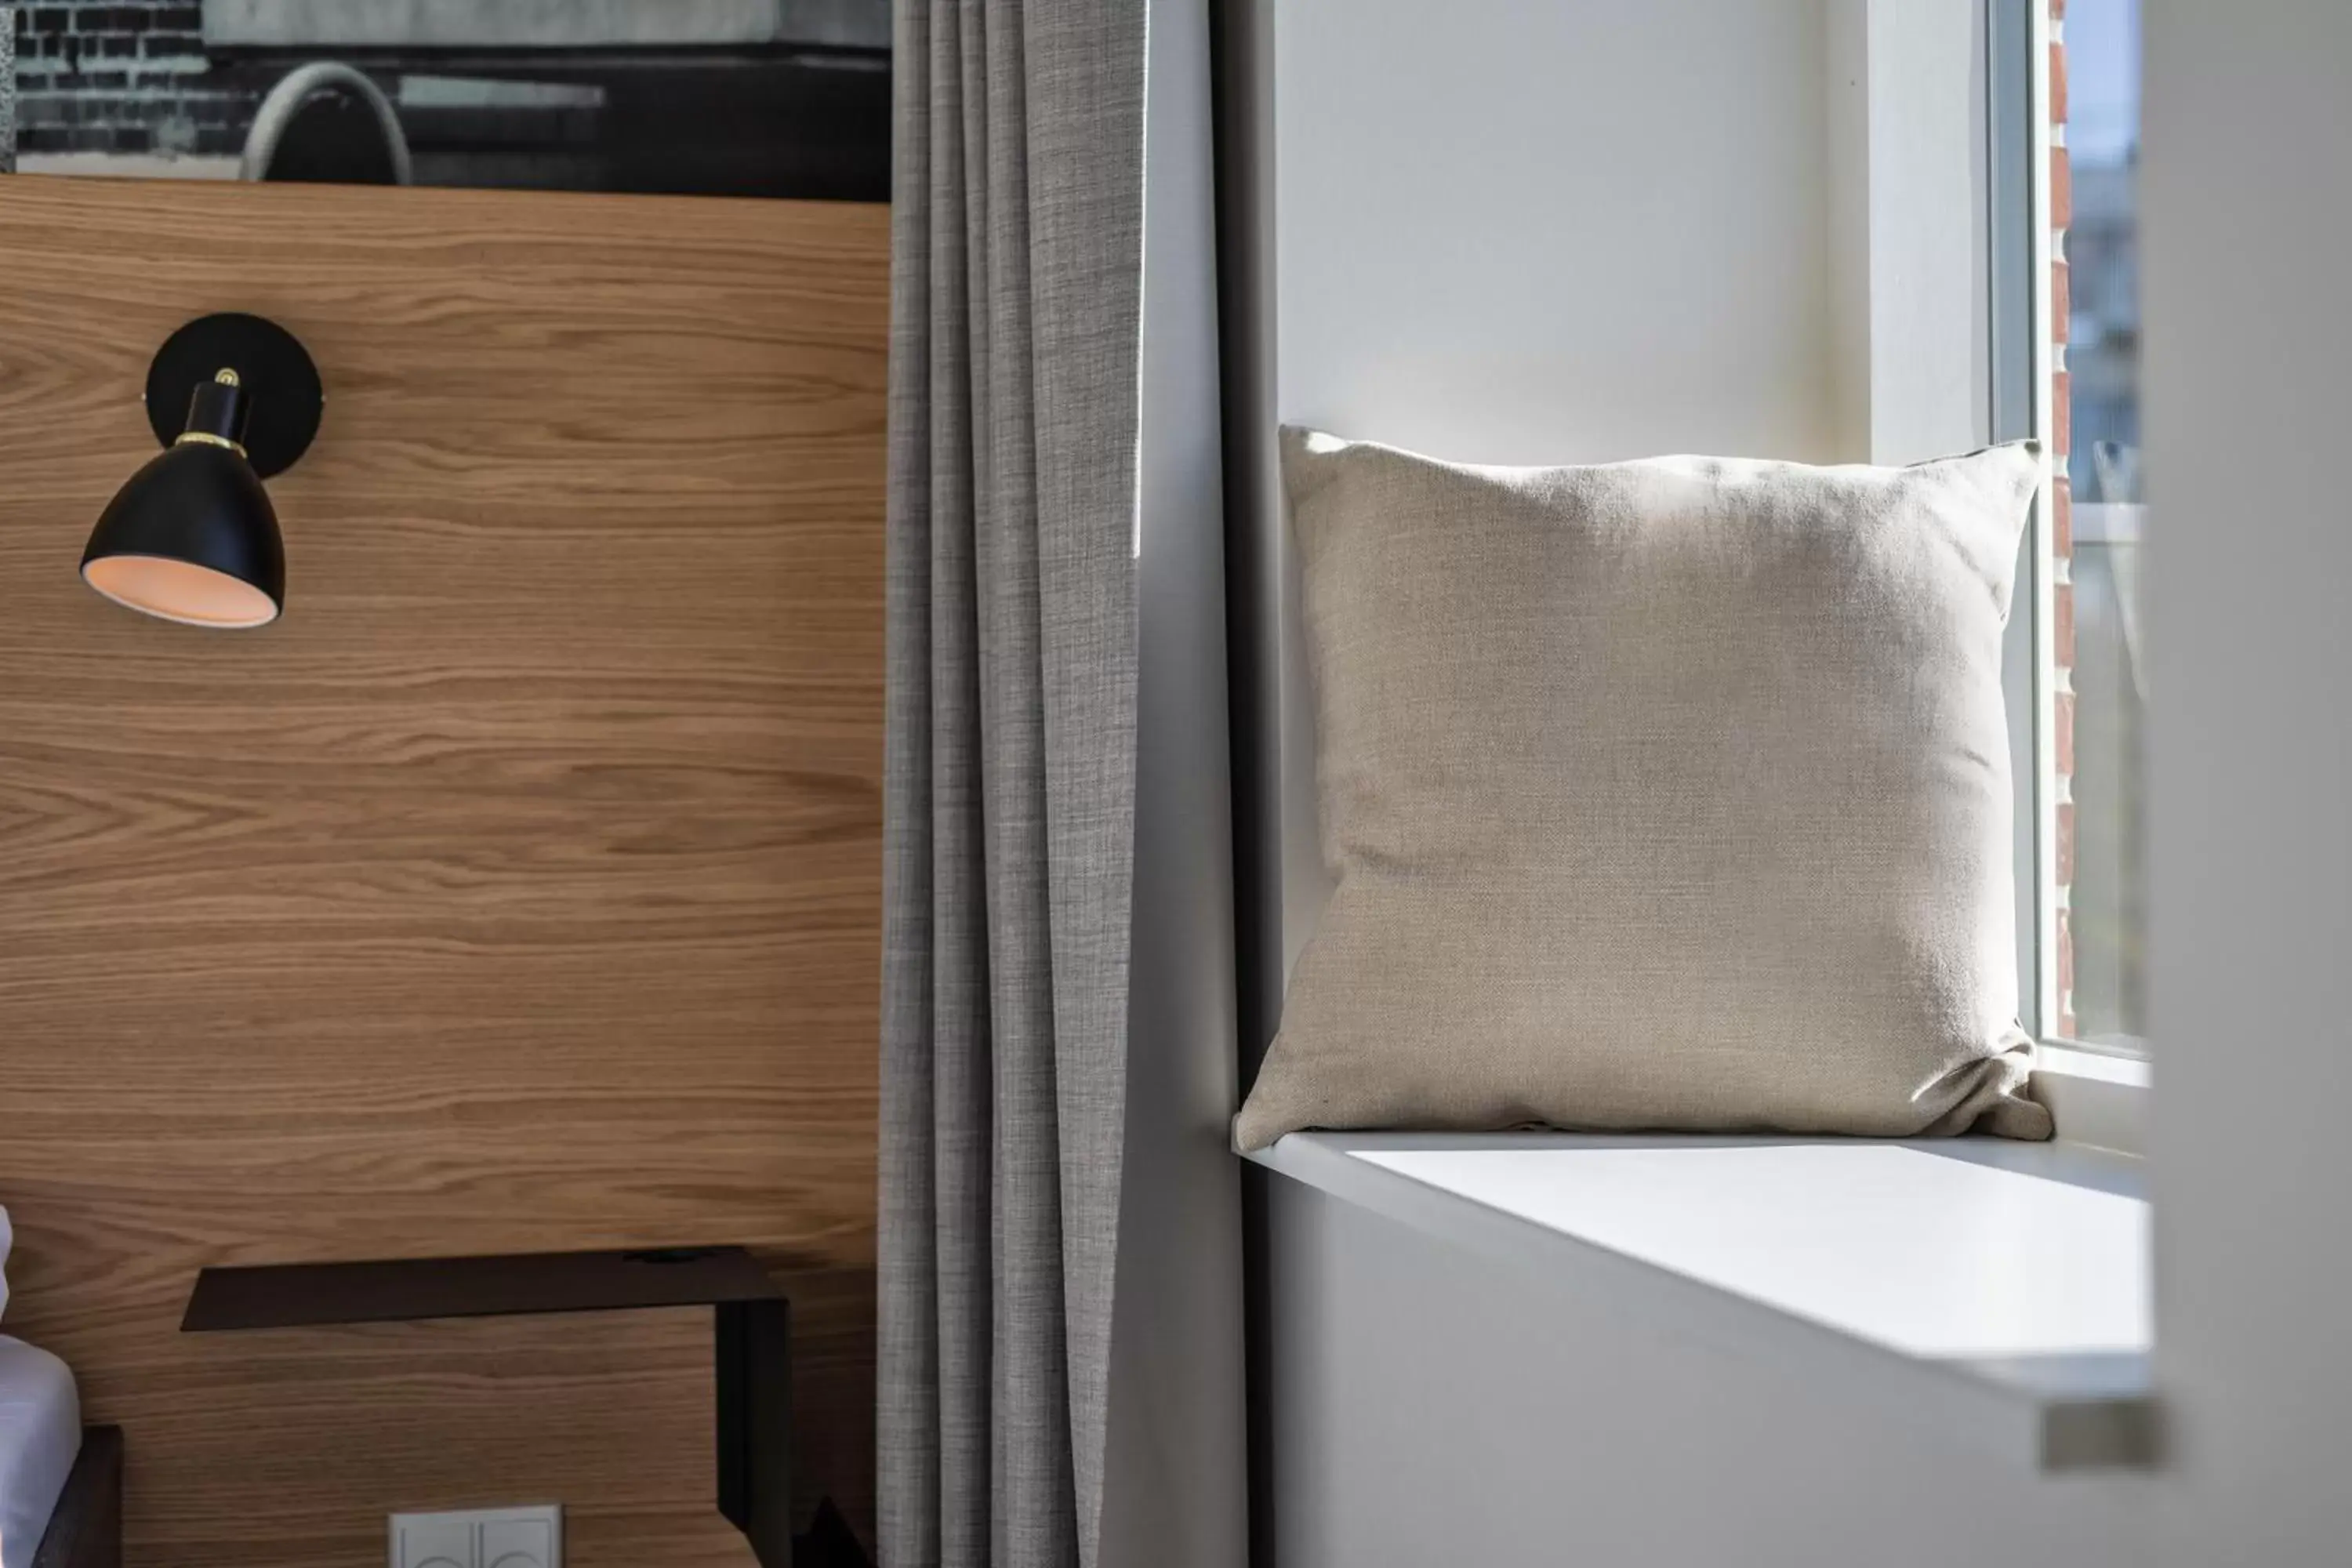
1017	258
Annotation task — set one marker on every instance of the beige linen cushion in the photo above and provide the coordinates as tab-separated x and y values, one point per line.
1668	795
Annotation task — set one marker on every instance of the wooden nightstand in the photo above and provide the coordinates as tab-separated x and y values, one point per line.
752	1331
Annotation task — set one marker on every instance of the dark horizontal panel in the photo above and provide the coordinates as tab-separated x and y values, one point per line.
298	1295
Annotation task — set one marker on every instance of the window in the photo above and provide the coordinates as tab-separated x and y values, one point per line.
2064	108
2100	870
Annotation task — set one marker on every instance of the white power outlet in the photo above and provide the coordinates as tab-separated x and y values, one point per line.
479	1538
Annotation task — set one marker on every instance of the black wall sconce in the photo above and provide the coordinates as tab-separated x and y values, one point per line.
192	537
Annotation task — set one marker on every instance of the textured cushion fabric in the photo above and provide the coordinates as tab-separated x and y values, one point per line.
1669	795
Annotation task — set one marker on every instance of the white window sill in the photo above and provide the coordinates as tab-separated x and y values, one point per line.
1998	1292
2098	1098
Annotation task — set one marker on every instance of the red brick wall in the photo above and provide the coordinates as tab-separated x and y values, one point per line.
122	76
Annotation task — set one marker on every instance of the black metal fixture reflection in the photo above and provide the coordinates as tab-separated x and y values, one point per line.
192	537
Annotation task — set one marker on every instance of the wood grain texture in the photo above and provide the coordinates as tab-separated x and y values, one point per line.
519	891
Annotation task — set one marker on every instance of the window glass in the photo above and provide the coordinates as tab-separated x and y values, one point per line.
2098	651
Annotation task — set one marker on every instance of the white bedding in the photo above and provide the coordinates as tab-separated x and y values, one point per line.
40	1433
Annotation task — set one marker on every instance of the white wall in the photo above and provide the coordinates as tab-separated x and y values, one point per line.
2247	220
1175	1487
1566	232
1911	334
1515	232
1434	1408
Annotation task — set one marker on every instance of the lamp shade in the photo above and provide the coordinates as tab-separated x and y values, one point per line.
192	538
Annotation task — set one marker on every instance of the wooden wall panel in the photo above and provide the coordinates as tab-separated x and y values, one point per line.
519	890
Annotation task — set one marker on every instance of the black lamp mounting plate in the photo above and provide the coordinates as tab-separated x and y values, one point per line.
280	381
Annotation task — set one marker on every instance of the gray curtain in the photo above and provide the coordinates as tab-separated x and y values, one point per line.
1017	259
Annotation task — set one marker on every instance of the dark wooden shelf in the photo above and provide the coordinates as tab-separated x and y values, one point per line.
306	1294
752	1338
